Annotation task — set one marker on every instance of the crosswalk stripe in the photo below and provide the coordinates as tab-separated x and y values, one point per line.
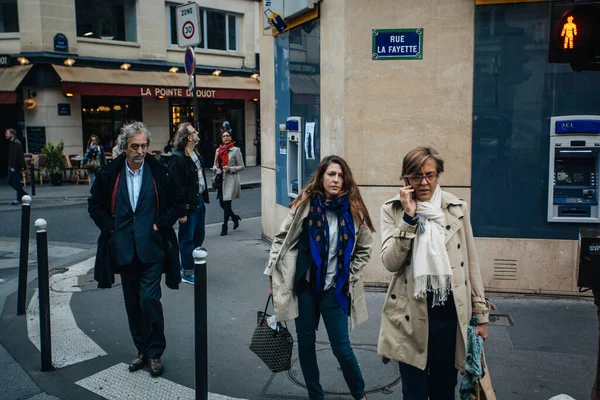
116	383
70	345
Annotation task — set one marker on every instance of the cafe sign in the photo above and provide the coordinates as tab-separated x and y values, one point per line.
177	92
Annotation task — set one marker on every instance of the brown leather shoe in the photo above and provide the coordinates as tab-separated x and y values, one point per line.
138	362
156	367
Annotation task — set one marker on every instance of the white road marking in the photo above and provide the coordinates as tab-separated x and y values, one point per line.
117	383
69	344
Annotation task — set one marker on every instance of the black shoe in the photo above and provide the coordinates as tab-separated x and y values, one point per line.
138	362
156	367
224	230
236	221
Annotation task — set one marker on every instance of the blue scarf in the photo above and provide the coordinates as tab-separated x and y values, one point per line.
318	230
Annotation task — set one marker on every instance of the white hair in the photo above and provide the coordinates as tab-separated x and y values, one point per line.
130	130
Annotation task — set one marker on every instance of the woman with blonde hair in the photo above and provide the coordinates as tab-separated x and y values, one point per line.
436	289
316	267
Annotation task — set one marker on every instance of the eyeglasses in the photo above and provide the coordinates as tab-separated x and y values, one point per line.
417	179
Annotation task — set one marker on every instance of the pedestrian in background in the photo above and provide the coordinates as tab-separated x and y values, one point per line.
170	146
188	167
116	150
227	166
16	161
316	267
436	286
94	158
135	201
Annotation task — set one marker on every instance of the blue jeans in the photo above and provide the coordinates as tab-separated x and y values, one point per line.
142	293
336	323
438	380
14	180
191	234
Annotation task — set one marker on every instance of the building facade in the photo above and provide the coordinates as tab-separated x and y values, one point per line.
73	68
479	88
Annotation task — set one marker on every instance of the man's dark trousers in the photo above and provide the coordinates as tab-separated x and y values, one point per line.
139	252
14	180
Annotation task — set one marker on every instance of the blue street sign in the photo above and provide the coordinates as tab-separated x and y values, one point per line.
61	43
397	44
190	61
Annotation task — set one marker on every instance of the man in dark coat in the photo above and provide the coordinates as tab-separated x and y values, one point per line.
15	164
135	201
188	167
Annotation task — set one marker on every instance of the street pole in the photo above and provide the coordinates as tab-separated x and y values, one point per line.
200	323
32	179
195	104
24	256
44	294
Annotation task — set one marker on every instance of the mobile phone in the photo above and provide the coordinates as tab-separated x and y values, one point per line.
407	183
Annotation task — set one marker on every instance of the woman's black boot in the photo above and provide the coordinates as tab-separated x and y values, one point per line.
224	230
236	221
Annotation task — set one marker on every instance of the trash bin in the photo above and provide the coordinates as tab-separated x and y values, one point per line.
588	276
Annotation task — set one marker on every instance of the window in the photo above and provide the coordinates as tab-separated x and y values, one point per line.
219	29
107	19
9	18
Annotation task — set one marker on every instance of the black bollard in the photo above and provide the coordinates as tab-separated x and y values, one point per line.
32	179
44	294
200	323
24	256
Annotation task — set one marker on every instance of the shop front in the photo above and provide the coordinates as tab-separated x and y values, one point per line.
110	98
11	113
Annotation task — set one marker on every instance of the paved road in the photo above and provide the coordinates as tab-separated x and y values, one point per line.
69	221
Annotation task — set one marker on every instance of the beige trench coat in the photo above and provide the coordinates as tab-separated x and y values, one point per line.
404	325
281	267
232	188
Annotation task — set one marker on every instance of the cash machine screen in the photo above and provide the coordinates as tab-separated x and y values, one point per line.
573	171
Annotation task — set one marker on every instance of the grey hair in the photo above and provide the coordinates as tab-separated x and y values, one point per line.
181	137
130	130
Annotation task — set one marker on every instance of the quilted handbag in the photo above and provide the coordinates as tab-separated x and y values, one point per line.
272	346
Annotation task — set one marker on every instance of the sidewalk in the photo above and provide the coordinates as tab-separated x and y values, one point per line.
538	348
46	194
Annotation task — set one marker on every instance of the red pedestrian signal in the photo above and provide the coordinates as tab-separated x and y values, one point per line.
575	34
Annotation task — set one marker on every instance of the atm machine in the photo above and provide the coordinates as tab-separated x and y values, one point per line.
573	192
293	126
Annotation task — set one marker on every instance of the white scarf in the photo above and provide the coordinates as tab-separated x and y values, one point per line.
431	264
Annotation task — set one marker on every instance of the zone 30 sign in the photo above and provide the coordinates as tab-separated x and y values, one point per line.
188	25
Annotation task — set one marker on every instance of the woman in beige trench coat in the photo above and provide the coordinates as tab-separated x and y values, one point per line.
436	287
316	267
228	163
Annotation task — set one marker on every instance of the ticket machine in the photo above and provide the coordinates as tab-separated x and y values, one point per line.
573	192
293	128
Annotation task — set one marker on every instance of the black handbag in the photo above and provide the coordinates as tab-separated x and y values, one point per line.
272	346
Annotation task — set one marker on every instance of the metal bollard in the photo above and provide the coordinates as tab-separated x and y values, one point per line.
24	256
44	294
32	179
200	323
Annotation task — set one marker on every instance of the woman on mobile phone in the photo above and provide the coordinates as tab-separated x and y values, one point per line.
316	266
436	287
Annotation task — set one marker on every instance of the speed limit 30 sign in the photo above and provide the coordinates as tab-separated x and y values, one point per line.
188	25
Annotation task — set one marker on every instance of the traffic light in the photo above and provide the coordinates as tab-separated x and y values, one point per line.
575	34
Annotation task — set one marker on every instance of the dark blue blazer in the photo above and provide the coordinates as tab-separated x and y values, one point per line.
171	206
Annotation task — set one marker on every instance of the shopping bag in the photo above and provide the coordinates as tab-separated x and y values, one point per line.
272	342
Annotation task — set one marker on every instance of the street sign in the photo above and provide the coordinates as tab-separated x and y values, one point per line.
191	83
397	44
189	61
188	25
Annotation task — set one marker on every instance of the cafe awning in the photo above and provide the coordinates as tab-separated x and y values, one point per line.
10	78
117	82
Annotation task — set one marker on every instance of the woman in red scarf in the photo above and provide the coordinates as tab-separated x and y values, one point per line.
228	163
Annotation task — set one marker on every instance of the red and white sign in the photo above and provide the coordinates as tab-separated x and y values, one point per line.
188	25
